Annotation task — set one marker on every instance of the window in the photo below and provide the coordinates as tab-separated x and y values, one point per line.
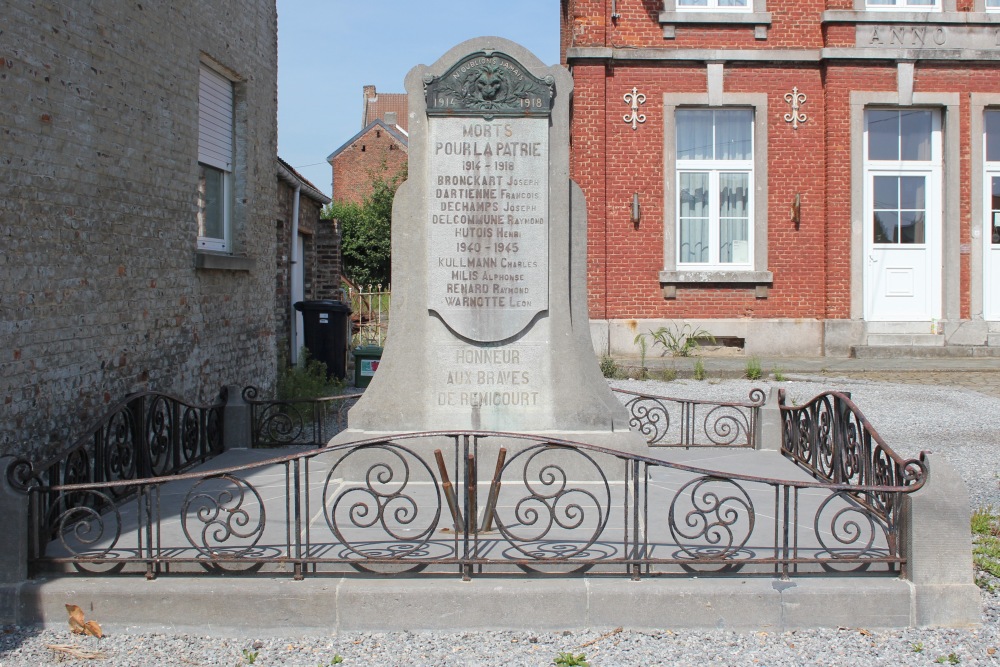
721	5
991	121
215	161
914	5
993	5
899	141
715	170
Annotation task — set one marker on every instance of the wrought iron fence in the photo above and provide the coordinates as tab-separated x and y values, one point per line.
412	504
369	314
311	422
145	435
831	439
683	422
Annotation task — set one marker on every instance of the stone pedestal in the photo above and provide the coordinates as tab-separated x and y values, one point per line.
489	328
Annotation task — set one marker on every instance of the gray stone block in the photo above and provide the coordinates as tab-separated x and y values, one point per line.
936	540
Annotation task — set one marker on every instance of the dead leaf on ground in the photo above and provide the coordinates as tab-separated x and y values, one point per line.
75	619
864	632
93	629
79	626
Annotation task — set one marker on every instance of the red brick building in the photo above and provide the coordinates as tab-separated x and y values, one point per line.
807	176
379	149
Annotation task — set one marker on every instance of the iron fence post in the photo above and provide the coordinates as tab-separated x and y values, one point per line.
299	574
636	555
238	418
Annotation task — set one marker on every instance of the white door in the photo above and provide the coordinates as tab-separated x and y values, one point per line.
991	245
991	215
903	260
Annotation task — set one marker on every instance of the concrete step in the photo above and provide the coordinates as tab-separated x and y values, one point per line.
923	351
898	327
321	605
906	339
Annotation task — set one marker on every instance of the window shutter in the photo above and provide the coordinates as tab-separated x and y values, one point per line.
215	120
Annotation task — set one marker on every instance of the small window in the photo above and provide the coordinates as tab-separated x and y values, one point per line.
993	5
720	5
900	136
714	188
910	5
215	161
991	120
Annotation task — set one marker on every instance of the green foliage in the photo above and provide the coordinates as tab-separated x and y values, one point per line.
567	659
699	369
950	659
337	659
365	243
985	521
250	657
917	647
753	370
778	373
304	381
643	346
610	368
668	374
678	340
986	555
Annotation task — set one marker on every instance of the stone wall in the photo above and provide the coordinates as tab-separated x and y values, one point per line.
98	287
321	246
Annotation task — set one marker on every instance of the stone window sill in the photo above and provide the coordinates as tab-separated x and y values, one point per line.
219	262
760	21
671	280
888	16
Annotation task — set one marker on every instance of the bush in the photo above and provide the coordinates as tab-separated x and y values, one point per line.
365	243
305	381
610	368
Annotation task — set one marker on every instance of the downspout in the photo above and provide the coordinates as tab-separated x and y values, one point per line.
294	324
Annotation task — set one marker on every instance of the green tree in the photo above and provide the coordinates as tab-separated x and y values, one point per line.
365	229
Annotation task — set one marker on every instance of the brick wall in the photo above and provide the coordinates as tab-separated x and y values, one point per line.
98	290
811	262
375	153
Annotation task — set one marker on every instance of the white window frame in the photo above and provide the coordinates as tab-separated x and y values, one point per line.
216	150
903	5
991	170
930	168
713	6
995	7
714	168
673	276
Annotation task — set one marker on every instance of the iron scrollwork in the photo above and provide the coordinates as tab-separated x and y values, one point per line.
711	517
552	516
223	517
379	517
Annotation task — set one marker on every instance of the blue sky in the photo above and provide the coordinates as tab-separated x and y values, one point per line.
329	49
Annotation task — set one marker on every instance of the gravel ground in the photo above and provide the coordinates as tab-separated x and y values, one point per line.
961	425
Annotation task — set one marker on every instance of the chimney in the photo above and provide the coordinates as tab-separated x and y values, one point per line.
368	93
391	119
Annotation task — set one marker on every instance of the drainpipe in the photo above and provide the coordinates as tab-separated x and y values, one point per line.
294	259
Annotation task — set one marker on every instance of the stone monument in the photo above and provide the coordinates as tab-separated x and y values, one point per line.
489	326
